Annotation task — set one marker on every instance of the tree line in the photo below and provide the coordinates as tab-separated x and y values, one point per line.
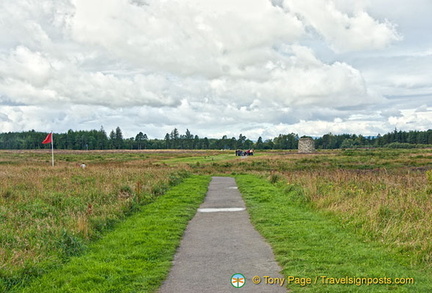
100	140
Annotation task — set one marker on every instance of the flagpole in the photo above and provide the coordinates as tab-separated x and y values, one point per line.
52	149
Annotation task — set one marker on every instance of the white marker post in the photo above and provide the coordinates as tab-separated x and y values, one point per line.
50	139
52	149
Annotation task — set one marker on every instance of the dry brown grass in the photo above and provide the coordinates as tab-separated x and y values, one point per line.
394	208
388	200
385	195
49	213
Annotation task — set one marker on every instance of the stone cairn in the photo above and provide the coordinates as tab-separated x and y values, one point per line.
306	145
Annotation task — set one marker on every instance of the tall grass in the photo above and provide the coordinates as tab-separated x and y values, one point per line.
310	244
137	255
48	214
392	207
385	195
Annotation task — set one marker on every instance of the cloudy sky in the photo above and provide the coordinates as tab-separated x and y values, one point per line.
216	67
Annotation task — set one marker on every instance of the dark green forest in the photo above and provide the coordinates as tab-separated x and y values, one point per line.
100	140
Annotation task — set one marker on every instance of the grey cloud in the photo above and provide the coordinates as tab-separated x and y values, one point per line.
422	108
4	117
391	113
215	67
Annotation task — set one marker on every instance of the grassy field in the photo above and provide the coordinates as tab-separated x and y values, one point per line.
136	256
49	215
384	195
310	245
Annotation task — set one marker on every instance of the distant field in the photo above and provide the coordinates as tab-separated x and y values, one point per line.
48	214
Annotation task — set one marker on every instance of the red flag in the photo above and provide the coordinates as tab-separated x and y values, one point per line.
48	139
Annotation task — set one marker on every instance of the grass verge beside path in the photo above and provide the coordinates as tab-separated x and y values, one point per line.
308	244
137	255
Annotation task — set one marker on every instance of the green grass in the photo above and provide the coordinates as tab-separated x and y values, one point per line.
201	159
137	255
210	157
48	214
382	196
309	244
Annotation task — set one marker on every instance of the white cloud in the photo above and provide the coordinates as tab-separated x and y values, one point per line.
183	37
297	80
350	29
24	65
213	67
36	80
411	119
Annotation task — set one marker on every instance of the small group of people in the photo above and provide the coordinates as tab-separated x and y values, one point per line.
249	152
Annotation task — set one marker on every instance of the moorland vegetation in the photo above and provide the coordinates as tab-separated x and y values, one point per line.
49	215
